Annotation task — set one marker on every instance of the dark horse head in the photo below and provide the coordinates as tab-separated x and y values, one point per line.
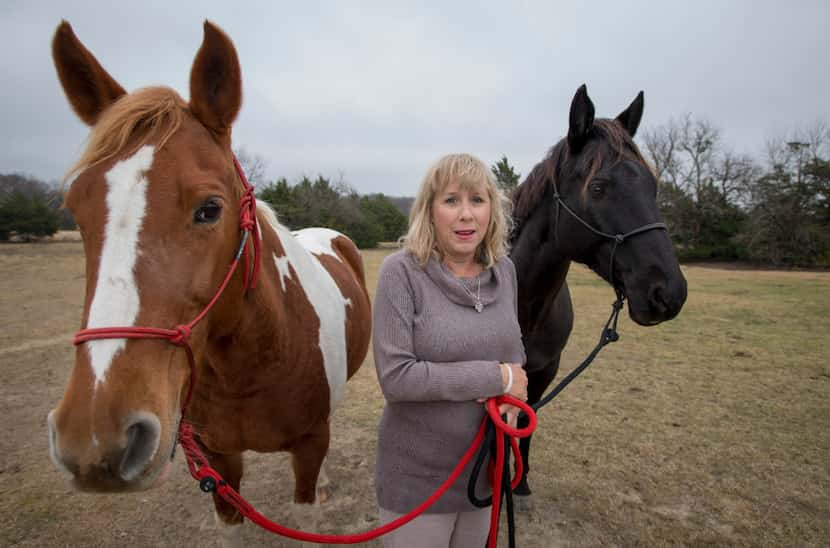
593	200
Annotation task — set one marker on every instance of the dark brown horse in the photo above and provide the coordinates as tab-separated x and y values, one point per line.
157	200
591	200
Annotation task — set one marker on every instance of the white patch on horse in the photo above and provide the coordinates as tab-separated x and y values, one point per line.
282	267
322	291
318	240
116	301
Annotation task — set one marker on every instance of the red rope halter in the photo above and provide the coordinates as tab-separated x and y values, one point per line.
210	480
181	333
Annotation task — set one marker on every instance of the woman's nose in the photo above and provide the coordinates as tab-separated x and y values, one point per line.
466	211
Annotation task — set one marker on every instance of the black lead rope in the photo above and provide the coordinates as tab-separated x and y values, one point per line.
609	335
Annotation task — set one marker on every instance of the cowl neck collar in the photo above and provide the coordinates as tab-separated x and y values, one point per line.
453	286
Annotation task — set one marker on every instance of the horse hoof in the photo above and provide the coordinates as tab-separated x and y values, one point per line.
522	490
323	494
522	503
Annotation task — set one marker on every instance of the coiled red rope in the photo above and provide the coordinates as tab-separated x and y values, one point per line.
210	480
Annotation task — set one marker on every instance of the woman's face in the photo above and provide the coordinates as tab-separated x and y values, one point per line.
460	217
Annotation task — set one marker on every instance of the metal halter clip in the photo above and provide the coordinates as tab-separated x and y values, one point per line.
207	484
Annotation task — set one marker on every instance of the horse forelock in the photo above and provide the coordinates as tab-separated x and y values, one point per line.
612	144
621	145
152	113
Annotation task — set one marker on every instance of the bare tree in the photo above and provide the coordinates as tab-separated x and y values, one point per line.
788	205
661	147
688	153
701	185
733	174
253	165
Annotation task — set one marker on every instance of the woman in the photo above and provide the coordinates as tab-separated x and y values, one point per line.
445	337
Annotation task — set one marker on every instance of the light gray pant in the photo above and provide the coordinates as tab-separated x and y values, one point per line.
455	530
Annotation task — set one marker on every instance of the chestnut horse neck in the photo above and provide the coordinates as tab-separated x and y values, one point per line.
181	333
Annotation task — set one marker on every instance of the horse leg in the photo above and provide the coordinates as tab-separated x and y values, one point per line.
307	455
228	519
537	383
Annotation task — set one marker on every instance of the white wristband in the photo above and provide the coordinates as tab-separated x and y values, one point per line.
509	379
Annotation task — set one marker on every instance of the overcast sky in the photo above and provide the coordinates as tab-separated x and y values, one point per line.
376	91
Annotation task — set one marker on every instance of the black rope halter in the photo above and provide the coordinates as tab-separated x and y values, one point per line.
609	334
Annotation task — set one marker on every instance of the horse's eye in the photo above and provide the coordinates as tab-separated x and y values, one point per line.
208	213
597	189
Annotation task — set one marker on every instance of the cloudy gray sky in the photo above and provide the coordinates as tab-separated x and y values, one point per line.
376	91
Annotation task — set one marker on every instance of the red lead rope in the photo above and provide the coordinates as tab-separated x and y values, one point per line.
210	480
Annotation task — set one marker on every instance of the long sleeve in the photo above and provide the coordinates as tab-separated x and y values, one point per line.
402	375
435	354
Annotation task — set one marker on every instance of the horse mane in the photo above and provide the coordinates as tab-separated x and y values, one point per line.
529	194
135	118
268	214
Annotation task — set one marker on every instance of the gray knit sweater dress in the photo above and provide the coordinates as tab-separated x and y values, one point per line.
435	355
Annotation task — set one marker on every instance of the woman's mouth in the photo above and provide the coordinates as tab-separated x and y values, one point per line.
465	234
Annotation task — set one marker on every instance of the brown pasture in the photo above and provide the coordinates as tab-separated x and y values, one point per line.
712	429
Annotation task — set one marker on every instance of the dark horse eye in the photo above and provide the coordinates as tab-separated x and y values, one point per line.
597	189
208	213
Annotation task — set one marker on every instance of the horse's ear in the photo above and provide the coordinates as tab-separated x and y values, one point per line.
89	88
581	119
216	81
630	117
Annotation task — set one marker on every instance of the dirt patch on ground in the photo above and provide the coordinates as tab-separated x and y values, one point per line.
711	429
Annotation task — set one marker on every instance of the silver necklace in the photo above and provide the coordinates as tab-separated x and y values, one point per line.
477	297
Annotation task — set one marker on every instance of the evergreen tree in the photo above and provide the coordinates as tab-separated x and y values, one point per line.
788	220
382	213
27	216
506	176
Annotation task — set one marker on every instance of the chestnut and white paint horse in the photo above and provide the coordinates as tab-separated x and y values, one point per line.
157	200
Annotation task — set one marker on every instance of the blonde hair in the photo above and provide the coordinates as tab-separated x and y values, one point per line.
469	172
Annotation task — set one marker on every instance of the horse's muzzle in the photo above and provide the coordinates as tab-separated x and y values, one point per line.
101	466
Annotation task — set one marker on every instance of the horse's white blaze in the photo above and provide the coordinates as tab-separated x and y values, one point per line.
116	300
322	291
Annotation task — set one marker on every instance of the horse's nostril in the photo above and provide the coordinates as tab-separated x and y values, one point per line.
658	300
143	437
57	458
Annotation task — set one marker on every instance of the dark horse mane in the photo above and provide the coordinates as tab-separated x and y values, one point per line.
620	147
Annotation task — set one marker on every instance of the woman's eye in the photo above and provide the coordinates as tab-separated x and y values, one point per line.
208	213
451	200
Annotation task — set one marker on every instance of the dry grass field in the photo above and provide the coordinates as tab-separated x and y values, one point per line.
712	429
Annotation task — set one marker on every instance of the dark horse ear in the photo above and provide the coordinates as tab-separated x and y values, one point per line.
581	119
630	117
216	82
89	88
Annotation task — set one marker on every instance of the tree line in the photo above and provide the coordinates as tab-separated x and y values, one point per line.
366	219
30	209
719	205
